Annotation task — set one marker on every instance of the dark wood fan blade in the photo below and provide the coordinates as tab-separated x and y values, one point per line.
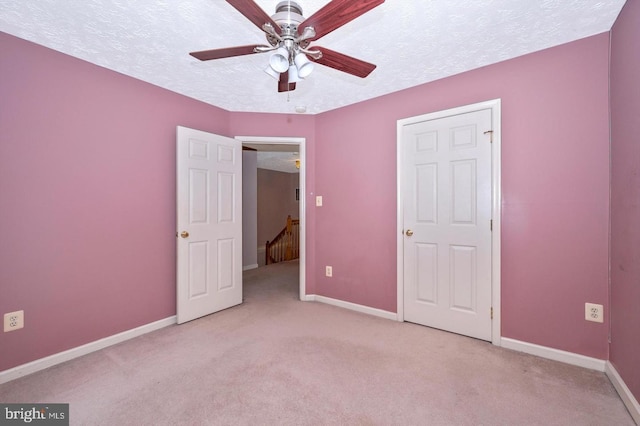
284	85
254	13
337	13
227	52
343	63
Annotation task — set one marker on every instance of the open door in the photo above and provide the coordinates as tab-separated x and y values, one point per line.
209	223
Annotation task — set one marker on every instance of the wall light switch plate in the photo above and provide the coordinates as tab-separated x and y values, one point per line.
319	201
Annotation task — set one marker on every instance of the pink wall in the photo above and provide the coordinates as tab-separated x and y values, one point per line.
555	191
625	196
87	199
87	193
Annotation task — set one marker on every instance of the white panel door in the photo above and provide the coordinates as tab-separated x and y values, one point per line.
447	223
209	223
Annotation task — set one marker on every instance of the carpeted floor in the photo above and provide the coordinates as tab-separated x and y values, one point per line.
277	361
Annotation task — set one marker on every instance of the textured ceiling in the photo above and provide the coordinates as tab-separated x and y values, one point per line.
411	41
278	161
278	157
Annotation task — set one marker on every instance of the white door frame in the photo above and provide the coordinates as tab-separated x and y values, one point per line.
496	204
300	142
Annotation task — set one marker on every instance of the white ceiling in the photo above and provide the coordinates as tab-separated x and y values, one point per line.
278	161
411	41
278	157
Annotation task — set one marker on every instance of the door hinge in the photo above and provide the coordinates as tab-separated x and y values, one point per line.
490	133
492	312
491	225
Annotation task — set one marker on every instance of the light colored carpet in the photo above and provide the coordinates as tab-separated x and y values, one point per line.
277	361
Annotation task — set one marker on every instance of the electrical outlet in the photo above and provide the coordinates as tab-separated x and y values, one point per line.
13	320
593	312
328	271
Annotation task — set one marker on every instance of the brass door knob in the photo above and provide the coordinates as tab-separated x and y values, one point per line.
409	232
184	234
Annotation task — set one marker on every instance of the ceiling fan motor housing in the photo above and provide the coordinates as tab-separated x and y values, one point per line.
288	16
289	6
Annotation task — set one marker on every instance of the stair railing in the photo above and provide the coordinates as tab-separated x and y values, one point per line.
286	245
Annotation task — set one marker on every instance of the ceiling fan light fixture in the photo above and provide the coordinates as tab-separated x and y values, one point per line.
279	61
293	75
303	65
273	73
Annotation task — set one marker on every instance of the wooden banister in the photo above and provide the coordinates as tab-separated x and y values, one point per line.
286	245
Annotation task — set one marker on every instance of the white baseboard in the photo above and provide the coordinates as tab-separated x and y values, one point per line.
246	268
352	306
41	364
554	354
625	393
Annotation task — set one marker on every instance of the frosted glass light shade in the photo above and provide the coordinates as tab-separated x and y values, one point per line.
279	61
293	75
273	73
303	64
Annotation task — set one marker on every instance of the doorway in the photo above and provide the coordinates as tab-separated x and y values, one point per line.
448	220
296	144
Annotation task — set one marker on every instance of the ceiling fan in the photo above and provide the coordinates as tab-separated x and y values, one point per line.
289	35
